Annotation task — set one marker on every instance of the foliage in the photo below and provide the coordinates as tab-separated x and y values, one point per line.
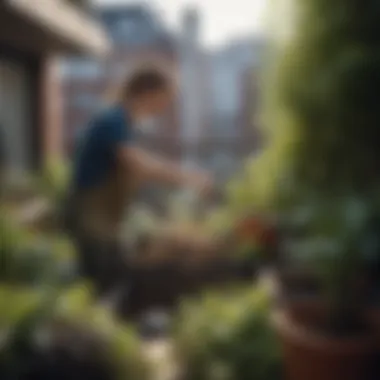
333	244
140	222
320	118
227	336
70	322
322	87
238	192
54	179
122	344
33	259
219	221
15	303
35	304
51	181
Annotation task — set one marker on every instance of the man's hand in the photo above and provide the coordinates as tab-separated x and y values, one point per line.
200	181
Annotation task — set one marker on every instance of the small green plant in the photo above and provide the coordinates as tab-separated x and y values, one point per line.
228	336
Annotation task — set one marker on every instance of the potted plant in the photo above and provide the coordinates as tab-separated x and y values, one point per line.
298	283
328	335
371	250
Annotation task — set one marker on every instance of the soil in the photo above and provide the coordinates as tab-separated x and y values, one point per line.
164	286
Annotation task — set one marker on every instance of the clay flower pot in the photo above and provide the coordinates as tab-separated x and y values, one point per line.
373	320
299	293
310	355
306	311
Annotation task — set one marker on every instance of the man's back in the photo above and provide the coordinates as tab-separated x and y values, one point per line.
95	152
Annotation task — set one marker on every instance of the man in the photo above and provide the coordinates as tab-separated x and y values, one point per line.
109	166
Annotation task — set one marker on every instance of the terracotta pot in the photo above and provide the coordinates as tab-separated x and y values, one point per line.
373	319
298	293
307	310
309	355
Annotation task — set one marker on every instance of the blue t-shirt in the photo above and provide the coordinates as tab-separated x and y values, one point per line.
96	147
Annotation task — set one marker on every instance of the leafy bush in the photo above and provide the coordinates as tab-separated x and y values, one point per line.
31	259
15	303
65	335
54	179
122	345
321	118
227	336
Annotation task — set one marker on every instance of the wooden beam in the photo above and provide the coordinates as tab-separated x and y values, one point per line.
61	22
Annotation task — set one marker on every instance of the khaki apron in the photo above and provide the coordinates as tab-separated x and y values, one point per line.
100	211
94	219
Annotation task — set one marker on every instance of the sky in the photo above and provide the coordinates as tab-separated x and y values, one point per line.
221	20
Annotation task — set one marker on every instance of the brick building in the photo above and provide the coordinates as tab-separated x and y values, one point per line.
139	36
31	36
230	135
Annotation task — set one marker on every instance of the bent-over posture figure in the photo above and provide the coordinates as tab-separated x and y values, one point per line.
108	169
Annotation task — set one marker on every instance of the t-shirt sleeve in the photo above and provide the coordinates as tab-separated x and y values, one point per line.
117	131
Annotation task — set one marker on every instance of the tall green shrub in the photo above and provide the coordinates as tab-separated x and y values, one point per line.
321	119
321	109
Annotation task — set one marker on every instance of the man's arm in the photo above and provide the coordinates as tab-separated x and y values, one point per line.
145	166
151	168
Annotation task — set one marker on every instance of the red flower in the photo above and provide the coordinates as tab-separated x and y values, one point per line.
254	229
249	228
269	237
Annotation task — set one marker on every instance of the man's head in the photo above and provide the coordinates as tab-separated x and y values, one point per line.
148	93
